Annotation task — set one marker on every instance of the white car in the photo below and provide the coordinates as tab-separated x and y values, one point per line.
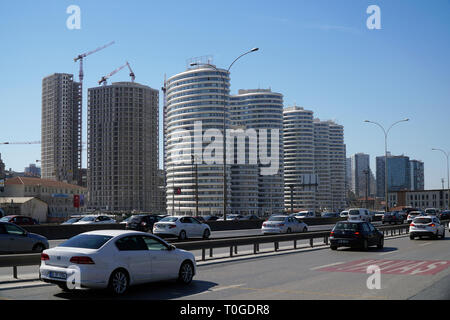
344	214
431	211
305	214
414	214
114	259
95	220
181	227
359	214
283	224
426	226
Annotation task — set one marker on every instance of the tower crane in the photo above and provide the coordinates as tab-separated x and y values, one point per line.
80	57
104	79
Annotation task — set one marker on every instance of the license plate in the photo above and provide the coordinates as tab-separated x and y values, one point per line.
420	227
57	275
343	241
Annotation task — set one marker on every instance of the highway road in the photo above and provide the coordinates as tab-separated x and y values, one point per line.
418	269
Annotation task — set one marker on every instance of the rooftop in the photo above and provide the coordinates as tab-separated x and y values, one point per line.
28	181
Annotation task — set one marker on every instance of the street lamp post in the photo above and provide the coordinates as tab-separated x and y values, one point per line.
224	126
386	132
447	155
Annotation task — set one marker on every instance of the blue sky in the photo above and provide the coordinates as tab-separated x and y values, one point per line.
319	54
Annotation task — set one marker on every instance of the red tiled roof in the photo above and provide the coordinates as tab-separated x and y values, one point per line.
43	182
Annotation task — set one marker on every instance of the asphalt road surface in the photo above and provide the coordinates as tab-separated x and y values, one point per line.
410	269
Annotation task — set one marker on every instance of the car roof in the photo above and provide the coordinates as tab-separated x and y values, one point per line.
114	233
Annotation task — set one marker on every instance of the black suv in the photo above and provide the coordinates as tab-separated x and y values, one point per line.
143	222
357	234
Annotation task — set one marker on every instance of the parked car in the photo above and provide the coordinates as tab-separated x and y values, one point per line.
330	215
392	217
19	220
116	259
414	214
431	211
142	222
124	221
181	227
234	217
358	234
72	220
283	224
445	215
14	239
95	220
344	214
426	226
200	218
359	214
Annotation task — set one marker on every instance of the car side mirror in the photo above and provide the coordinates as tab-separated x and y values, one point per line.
172	247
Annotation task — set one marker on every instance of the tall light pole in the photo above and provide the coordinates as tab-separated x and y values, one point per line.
386	132
224	126
447	155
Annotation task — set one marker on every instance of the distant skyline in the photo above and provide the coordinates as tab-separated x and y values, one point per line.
318	54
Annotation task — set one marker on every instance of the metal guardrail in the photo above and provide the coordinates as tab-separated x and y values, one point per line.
16	260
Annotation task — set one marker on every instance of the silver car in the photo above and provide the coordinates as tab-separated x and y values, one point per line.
14	239
283	224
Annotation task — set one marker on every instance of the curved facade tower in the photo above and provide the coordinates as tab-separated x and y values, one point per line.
299	166
194	111
259	109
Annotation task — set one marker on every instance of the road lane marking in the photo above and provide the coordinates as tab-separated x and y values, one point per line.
317	293
227	287
327	265
389	252
425	244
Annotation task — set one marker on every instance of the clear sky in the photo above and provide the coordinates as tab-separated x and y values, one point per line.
318	53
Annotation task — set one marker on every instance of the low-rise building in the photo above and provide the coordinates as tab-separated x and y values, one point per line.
25	206
59	196
423	199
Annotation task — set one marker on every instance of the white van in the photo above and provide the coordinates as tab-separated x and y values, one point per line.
359	214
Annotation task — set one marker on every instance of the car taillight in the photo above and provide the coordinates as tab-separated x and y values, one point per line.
264	224
281	225
332	233
171	226
412	225
81	260
44	257
357	233
432	225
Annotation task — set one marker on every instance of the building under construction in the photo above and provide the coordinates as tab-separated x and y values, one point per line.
61	128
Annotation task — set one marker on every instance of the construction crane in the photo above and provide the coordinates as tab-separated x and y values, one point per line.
80	57
104	79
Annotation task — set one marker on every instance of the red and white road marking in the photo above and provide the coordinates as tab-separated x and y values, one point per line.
403	267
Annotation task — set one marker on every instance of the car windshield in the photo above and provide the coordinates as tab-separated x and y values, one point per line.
347	226
422	220
86	241
414	213
169	219
277	218
87	219
353	212
4	219
72	220
136	218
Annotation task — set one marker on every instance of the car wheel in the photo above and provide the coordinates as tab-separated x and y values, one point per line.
305	229
38	248
64	287
333	247
182	235
288	230
411	237
381	244
186	273
436	236
443	234
206	234
118	282
365	245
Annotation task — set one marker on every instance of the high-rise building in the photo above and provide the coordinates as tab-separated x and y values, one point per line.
123	147
2	168
61	128
258	109
322	163
417	175
337	166
194	111
360	163
300	179
398	174
348	173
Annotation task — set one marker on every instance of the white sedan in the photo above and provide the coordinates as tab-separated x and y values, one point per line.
181	227
114	259
95	220
283	224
